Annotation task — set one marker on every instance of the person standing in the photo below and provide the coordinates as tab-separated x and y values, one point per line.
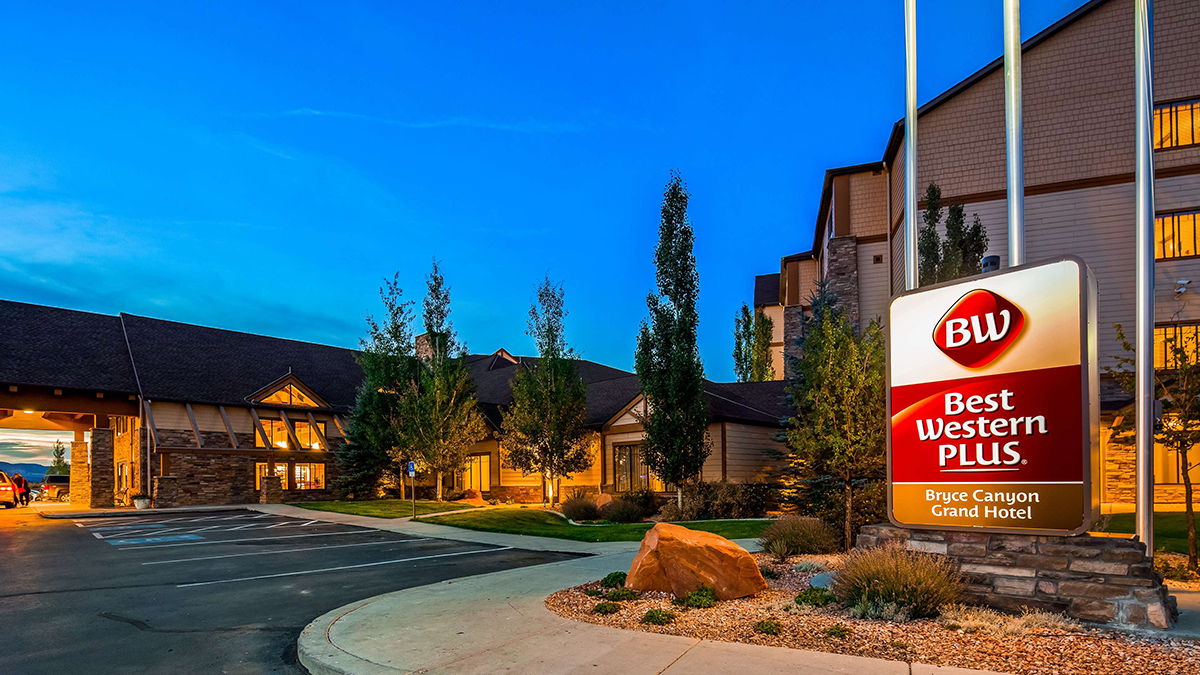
22	489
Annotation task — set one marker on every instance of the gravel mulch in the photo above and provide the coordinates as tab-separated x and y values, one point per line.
1040	651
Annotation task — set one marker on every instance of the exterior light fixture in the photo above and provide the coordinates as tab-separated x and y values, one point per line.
27	412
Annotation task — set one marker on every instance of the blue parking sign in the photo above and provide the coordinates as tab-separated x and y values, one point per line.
412	469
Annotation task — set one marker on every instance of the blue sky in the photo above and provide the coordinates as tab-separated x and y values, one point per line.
262	166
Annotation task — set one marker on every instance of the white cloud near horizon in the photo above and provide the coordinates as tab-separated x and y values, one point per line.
21	446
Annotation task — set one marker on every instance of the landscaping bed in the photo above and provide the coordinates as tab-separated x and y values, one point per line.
961	637
385	508
539	523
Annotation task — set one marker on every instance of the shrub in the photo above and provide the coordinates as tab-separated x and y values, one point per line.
613	580
768	627
984	620
838	630
593	592
622	594
816	597
1173	567
646	500
918	583
701	599
796	535
621	511
606	608
658	617
702	501
768	572
670	512
810	567
577	508
883	611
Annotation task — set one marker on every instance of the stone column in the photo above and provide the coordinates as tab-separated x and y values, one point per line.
166	492
102	478
272	490
81	477
843	274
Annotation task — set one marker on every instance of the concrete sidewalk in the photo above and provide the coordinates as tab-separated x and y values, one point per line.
407	526
498	623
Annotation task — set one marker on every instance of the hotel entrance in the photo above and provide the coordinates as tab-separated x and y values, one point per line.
478	475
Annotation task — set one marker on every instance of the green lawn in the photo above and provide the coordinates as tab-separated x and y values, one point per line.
1170	532
541	524
385	508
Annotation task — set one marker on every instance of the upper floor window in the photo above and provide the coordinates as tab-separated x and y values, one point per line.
277	434
291	395
1175	235
1177	125
1174	341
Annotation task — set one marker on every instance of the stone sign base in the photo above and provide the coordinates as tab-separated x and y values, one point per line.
1092	578
166	492
272	490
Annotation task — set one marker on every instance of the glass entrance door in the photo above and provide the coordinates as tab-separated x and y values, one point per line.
478	475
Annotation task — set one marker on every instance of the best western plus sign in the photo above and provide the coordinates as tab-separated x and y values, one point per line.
993	400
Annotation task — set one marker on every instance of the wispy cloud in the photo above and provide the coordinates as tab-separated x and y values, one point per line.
526	127
19	446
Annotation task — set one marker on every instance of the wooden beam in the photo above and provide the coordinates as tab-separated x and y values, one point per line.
317	428
195	427
287	424
262	432
153	428
338	422
228	427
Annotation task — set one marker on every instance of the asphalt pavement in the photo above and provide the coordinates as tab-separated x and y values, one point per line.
201	592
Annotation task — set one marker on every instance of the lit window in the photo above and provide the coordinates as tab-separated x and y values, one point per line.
1177	125
629	471
260	470
310	476
291	395
1173	342
1175	235
277	433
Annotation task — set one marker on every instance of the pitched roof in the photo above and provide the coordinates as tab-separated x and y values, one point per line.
63	348
766	290
186	362
755	402
893	144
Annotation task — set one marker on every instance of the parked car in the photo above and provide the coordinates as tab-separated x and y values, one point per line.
56	488
8	491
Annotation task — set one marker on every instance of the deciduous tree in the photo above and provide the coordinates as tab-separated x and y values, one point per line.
543	428
838	430
960	254
441	418
752	332
667	359
374	451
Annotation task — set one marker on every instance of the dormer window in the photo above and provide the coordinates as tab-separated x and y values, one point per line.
291	395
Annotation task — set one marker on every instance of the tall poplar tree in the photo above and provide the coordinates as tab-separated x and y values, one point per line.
667	359
543	428
374	448
59	466
752	332
960	254
441	418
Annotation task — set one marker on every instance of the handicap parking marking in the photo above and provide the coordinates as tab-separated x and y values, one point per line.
153	540
249	539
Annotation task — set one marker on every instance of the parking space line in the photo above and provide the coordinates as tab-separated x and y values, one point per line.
237	541
125	527
290	550
340	568
151	540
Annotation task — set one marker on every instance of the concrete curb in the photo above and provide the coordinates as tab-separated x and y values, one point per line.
129	512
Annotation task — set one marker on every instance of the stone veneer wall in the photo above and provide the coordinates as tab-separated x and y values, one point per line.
102	471
166	492
522	494
272	490
843	274
1119	466
81	476
793	321
1103	579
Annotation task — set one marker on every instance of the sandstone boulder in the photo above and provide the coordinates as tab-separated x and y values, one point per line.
677	560
472	494
602	499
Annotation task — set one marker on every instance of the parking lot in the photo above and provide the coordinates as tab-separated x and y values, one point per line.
201	592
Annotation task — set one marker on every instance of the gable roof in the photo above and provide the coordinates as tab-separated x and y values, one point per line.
63	348
893	144
186	362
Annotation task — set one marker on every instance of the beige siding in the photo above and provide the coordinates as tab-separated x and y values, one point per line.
170	416
775	313
897	265
868	204
1078	98
712	465
872	281
747	457
1096	225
